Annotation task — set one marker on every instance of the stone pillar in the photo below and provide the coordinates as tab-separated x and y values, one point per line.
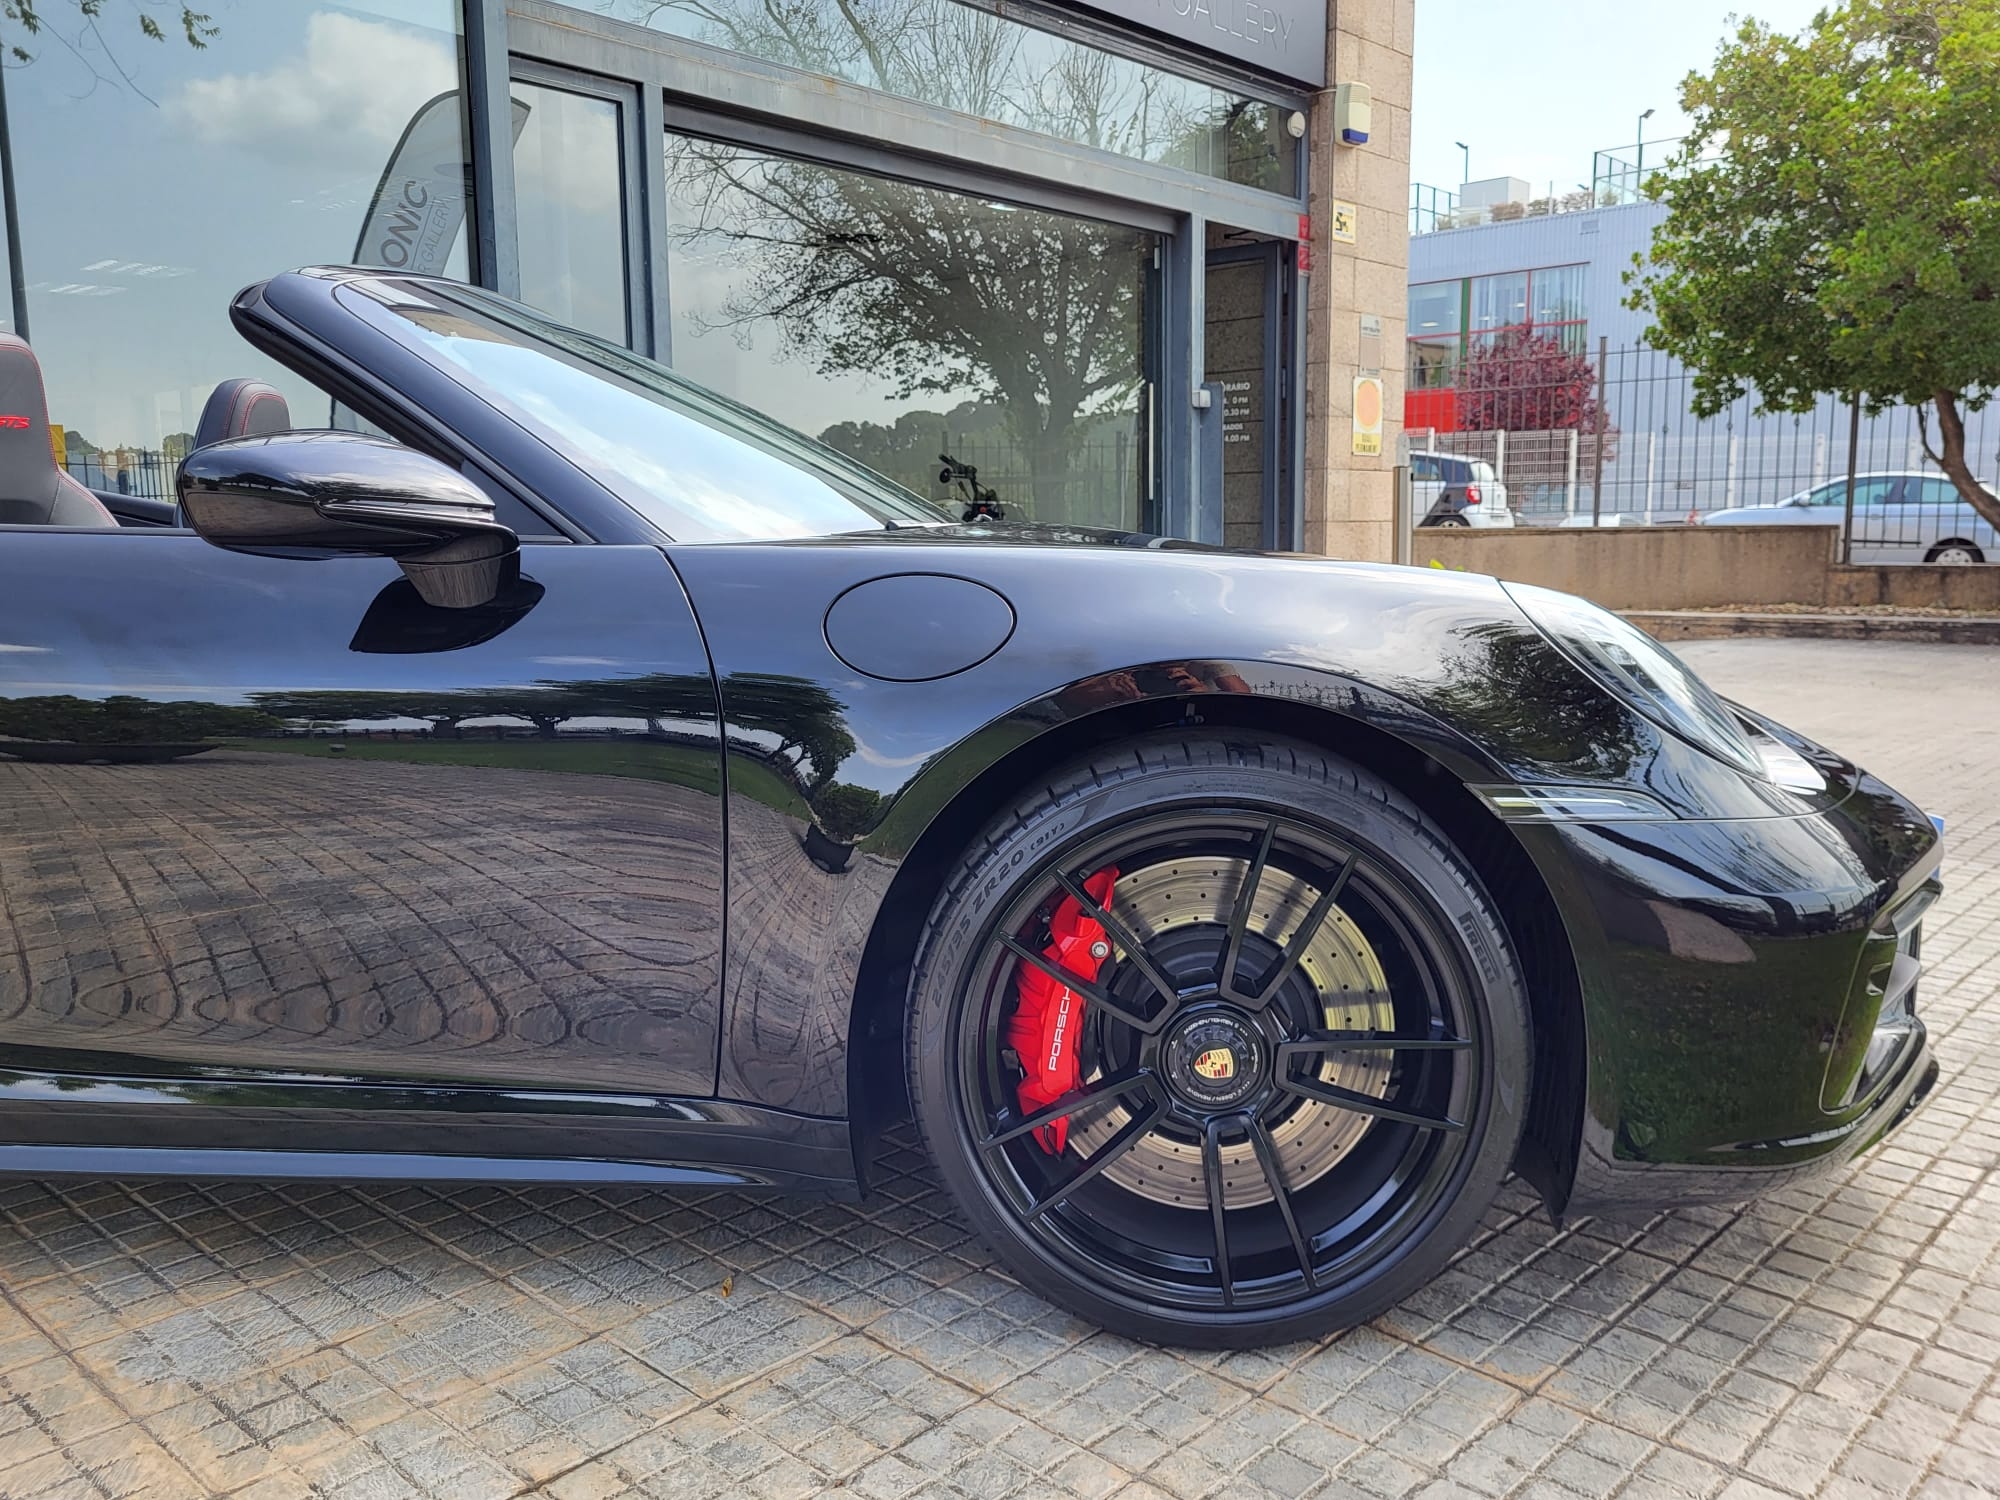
1350	500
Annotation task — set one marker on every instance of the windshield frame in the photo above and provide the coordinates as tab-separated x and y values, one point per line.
385	303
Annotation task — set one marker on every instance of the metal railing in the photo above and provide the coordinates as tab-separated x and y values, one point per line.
125	471
1649	460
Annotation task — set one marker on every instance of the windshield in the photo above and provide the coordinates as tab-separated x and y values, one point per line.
695	464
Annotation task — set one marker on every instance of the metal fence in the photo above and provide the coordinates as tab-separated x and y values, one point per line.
1534	419
126	471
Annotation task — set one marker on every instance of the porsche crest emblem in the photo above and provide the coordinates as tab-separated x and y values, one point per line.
1216	1064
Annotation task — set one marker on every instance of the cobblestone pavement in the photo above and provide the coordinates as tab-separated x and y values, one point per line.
1841	1340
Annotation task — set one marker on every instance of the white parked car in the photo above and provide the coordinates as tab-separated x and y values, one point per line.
1451	491
1903	517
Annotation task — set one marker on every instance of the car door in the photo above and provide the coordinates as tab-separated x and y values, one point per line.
1947	517
1878	528
275	814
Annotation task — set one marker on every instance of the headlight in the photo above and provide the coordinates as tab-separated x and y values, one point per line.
1633	666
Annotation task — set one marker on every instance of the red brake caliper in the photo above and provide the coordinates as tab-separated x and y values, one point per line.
1048	1021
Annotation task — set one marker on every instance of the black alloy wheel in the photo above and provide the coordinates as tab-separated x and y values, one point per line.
1303	1064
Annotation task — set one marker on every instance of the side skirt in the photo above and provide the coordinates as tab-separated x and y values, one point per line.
58	1122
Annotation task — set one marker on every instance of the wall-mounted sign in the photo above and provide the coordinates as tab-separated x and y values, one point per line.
1341	222
1368	416
1286	37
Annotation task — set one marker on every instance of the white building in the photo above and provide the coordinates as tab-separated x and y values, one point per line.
1565	274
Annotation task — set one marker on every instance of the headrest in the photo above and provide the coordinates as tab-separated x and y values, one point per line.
241	408
33	491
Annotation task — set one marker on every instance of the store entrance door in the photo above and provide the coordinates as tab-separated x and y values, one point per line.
1248	363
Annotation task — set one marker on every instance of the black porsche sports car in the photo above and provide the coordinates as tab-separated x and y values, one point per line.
550	771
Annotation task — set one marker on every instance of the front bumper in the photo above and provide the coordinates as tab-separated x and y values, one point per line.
1749	990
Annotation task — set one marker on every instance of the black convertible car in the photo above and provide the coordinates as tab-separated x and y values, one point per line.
550	771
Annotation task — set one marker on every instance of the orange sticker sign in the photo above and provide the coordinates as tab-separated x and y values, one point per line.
1368	405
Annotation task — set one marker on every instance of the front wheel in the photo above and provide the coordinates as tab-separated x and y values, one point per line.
1219	1041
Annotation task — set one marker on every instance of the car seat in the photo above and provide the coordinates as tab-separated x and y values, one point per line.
34	491
241	408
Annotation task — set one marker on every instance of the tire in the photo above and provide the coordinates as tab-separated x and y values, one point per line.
1954	551
1459	521
1230	1180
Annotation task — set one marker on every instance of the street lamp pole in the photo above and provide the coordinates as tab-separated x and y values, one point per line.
1639	172
17	274
1468	160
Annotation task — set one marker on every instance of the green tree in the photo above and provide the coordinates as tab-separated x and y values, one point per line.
1834	228
123	719
32	16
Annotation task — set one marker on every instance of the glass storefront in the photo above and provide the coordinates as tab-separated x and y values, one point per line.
155	180
570	198
902	323
966	59
898	304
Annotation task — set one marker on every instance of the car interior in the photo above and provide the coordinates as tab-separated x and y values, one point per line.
36	491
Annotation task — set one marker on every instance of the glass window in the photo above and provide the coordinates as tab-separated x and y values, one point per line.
1434	308
1558	295
569	191
701	467
1867	491
1499	301
1433	364
157	179
898	323
961	58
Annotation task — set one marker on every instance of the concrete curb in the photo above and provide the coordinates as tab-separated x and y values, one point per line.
1708	625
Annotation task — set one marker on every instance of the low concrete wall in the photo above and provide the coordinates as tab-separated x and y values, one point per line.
1916	585
1652	567
1702	567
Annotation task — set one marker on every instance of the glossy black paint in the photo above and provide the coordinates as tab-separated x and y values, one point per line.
344	491
917	627
1714	955
489	857
620	731
216	1122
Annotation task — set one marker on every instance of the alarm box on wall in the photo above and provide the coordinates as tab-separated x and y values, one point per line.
1353	114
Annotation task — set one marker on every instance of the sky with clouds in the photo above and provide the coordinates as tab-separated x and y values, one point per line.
1534	90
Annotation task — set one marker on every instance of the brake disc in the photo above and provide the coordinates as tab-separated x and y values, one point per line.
1339	969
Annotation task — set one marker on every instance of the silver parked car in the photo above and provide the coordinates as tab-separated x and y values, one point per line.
1903	517
1451	491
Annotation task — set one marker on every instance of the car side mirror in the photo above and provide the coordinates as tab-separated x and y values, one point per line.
348	492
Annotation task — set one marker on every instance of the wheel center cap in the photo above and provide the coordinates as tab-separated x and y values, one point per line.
1214	1062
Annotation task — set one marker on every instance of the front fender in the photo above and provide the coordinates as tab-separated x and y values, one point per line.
835	775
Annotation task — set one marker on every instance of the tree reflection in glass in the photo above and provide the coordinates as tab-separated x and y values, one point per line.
1006	336
962	58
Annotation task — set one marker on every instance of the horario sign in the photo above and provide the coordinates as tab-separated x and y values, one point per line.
1286	37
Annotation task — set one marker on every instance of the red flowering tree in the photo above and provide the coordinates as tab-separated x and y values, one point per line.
1521	381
